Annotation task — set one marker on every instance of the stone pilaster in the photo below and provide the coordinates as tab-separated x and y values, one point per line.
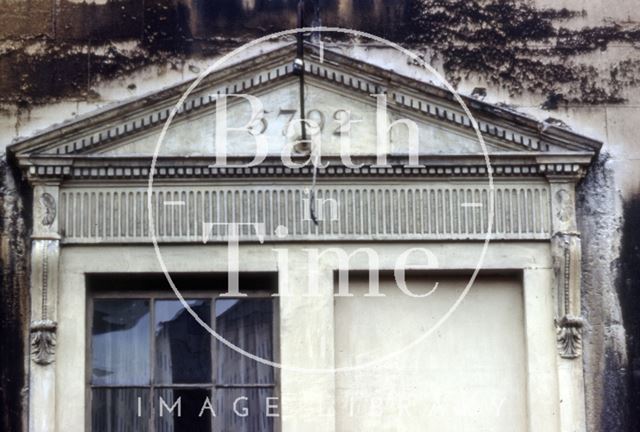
566	253
45	251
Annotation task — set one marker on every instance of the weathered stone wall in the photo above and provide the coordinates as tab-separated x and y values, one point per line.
609	396
571	60
14	282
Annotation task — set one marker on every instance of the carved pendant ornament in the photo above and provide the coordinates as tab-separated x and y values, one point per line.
43	331
43	341
566	262
569	335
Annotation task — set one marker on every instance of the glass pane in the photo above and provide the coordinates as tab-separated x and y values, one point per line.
183	346
183	410
245	410
122	410
248	324
120	342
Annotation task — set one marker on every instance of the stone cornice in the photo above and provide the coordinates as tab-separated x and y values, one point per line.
499	115
155	101
123	121
43	168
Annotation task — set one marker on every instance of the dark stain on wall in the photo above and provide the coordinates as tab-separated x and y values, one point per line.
14	299
608	391
518	47
629	292
56	49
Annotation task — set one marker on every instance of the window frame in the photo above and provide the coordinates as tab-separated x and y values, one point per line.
153	295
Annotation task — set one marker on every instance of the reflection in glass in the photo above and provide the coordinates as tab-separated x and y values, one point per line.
183	346
245	410
248	324
121	410
120	342
179	410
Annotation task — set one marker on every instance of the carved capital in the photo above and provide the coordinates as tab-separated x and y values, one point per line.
45	211
563	206
48	203
43	341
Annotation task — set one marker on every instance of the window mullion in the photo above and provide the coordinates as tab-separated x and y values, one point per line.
152	364
89	363
214	345
214	363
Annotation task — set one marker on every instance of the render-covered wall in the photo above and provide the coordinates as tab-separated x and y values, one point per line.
571	61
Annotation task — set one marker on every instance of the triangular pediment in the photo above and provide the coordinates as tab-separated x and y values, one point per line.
340	102
335	119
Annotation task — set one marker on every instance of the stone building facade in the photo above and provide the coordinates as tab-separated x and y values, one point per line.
568	70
